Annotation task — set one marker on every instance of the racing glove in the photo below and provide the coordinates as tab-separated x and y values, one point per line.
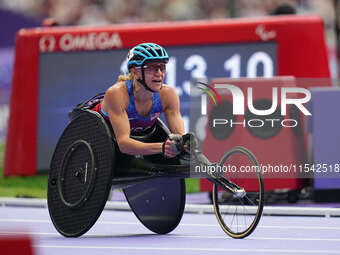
172	146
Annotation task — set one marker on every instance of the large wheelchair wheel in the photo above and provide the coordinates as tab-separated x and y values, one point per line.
238	207
80	176
158	203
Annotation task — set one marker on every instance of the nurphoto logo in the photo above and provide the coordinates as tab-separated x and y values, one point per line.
240	102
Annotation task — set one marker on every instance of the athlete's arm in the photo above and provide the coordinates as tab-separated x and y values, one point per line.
171	108
115	103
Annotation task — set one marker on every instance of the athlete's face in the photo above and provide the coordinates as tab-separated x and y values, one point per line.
154	74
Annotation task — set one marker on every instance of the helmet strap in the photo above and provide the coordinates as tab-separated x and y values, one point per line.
142	81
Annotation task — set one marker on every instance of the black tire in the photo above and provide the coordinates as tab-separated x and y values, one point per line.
245	211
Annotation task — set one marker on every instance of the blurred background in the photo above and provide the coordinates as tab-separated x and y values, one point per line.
17	14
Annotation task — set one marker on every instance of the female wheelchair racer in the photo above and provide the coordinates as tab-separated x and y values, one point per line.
134	102
117	141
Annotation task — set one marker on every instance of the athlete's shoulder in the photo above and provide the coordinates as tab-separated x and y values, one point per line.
117	87
169	97
117	94
168	90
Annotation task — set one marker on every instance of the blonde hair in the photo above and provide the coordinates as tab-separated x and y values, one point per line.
124	77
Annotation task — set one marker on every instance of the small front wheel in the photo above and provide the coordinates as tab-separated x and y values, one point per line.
238	193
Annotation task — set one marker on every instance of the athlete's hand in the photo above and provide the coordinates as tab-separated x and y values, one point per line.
172	146
190	142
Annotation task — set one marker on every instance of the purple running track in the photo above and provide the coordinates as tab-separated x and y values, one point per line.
120	232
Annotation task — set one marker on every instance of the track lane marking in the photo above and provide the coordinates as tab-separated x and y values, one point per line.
189	249
174	236
181	224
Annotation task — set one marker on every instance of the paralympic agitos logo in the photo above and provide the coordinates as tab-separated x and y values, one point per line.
261	117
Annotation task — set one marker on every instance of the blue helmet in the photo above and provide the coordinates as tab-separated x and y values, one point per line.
146	52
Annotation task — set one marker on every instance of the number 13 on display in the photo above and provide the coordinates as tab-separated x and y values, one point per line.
259	64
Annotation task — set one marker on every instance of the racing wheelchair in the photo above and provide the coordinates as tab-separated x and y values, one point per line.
87	163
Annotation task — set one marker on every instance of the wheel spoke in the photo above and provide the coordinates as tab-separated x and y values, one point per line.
250	200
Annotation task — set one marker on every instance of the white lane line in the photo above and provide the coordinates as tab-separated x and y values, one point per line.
49	221
181	224
177	236
28	233
299	227
294	239
188	249
25	220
